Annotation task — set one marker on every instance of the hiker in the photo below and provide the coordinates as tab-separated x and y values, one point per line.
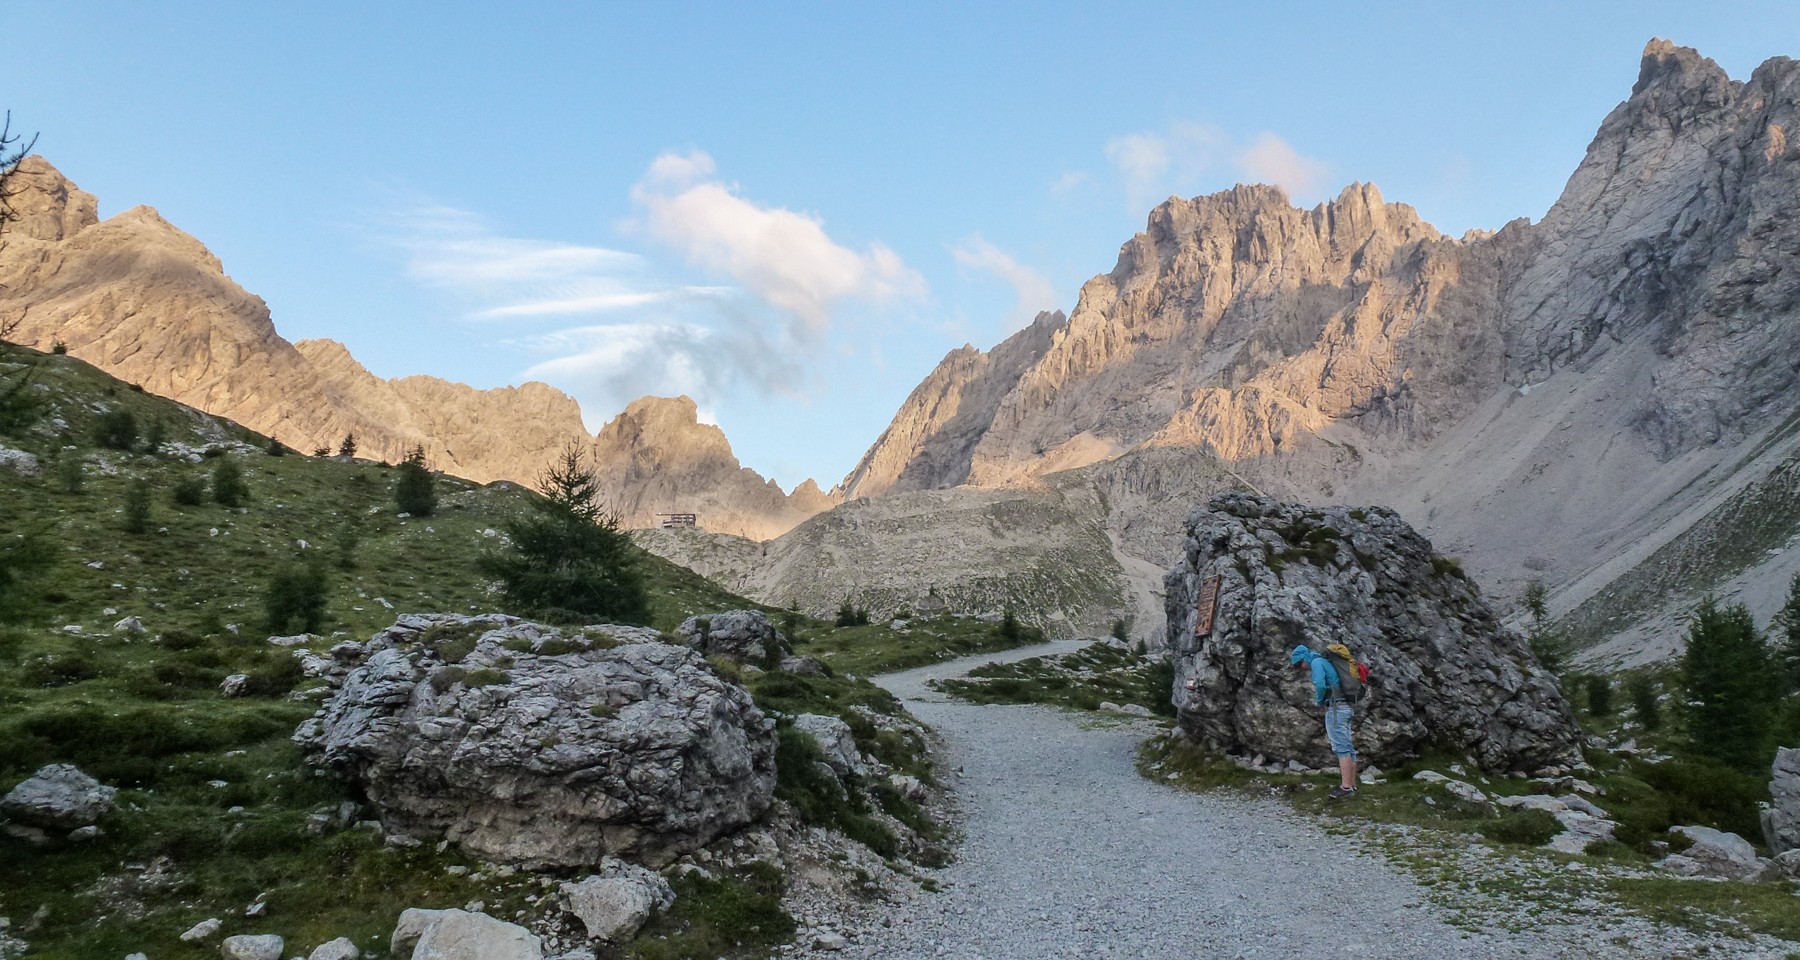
1329	692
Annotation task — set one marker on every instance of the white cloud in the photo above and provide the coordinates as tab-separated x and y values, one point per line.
1180	158
1034	291
1068	182
780	255
1270	159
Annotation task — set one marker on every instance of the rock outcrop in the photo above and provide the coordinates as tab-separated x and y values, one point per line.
540	749
147	303
1781	820
1445	671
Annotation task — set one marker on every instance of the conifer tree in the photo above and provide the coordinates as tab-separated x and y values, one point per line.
568	558
348	447
1730	686
228	486
1550	645
137	507
1787	630
415	492
294	599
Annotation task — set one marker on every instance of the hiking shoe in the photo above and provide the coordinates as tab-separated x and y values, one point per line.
1340	793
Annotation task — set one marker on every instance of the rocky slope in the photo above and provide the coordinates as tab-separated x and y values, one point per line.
148	303
1551	401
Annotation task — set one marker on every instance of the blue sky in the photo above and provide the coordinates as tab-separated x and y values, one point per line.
789	213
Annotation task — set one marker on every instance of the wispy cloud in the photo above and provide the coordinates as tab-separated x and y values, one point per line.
1270	159
459	253
782	256
1178	158
1033	289
609	365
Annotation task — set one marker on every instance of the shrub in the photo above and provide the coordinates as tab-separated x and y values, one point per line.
116	429
276	676
189	491
1121	631
59	348
155	436
71	476
321	451
849	615
228	486
486	677
414	491
24	558
1708	793
276	448
1532	828
137	507
294	599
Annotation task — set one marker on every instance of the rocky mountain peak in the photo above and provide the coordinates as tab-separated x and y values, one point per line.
1666	65
49	207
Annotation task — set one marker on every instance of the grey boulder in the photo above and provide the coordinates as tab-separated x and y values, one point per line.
1781	820
835	741
265	946
343	948
461	935
1445	670
59	797
744	635
541	750
1715	853
613	904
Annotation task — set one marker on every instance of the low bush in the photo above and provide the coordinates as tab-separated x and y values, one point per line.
1531	828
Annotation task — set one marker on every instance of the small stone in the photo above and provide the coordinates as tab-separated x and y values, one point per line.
89	832
263	946
202	930
236	685
131	625
343	948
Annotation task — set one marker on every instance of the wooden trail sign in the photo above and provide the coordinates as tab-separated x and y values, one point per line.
1208	608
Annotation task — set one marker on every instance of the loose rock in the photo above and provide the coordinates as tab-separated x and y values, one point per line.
265	946
461	935
614	904
59	797
744	635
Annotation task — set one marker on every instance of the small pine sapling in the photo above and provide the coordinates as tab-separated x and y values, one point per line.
137	507
228	486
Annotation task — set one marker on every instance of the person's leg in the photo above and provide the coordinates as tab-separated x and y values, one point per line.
1337	730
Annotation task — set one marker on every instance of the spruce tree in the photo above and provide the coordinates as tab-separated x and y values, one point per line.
1549	645
568	557
1643	702
294	599
415	492
1787	630
1730	686
348	447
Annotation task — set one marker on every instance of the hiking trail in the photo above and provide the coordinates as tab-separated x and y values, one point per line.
1069	852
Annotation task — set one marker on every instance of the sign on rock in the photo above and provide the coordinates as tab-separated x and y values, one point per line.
1208	607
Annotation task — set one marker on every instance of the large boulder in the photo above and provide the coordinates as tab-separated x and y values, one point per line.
1445	671
744	635
461	935
59	797
534	748
1781	821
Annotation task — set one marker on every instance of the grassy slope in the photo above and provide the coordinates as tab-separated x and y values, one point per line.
146	715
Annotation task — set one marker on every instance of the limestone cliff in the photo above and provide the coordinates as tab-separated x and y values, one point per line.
150	304
1542	400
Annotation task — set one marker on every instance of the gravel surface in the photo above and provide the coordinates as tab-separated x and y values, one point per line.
1069	852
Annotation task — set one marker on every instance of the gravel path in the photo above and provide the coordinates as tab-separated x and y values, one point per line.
1070	853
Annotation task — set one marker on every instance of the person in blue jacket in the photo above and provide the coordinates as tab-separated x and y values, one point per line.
1338	712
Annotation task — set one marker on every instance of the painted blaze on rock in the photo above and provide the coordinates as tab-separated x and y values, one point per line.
1446	672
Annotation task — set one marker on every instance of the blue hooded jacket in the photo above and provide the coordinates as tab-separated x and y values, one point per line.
1324	675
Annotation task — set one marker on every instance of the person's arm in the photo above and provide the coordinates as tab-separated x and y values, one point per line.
1320	684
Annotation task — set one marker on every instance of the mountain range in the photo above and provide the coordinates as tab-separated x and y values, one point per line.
1577	401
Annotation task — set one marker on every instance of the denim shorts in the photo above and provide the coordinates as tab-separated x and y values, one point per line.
1337	729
